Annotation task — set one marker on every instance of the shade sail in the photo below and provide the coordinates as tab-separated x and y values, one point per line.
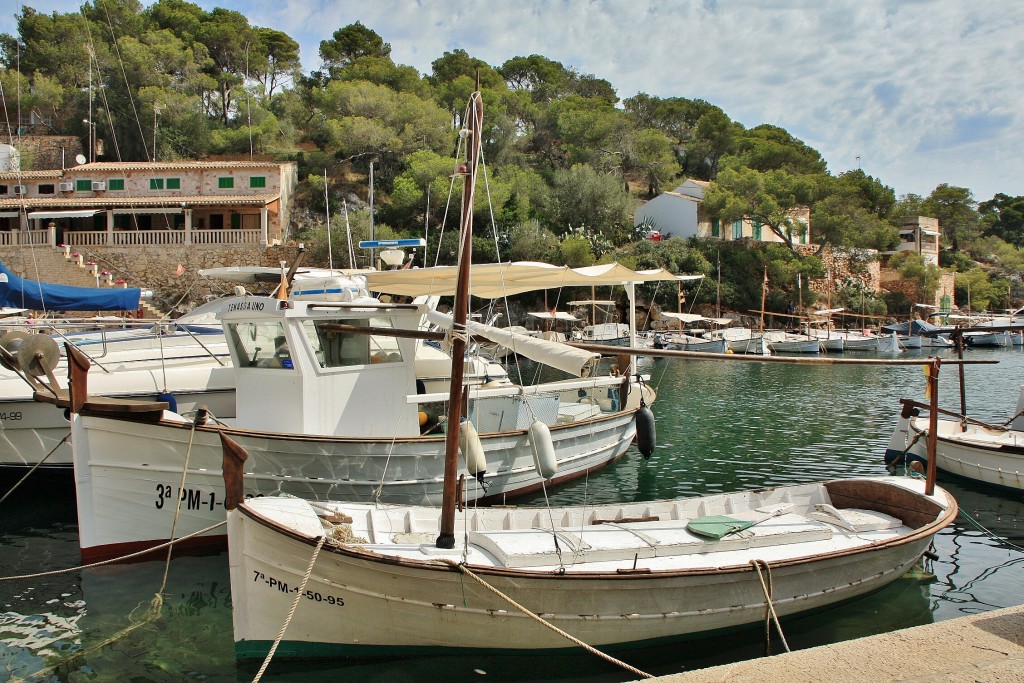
493	280
551	353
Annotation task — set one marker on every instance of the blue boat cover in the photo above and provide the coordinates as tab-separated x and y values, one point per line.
18	292
914	327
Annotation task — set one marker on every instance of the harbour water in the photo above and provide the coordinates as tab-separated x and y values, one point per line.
722	426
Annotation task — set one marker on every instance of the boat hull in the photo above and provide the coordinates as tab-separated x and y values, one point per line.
128	474
360	603
989	456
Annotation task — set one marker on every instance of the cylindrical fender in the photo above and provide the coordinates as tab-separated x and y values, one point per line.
646	438
543	450
168	398
472	449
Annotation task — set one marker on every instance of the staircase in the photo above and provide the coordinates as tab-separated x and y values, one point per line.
61	266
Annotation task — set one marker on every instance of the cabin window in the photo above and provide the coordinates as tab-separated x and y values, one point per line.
258	181
115	184
260	345
336	349
226	182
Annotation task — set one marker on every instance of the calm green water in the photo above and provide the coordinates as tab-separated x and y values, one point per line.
722	426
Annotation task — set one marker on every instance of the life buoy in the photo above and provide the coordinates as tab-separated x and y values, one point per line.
646	438
472	449
543	450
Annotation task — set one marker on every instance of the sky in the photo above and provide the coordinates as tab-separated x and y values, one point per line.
913	92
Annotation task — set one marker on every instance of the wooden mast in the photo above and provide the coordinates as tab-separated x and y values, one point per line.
446	538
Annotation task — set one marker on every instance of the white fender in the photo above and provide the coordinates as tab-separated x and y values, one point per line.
543	450
472	449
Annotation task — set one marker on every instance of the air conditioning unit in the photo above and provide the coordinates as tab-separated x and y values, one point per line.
98	186
19	189
66	187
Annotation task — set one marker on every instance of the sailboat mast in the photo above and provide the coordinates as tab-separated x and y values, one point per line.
446	538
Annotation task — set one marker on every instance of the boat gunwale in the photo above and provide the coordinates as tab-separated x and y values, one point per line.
317	438
354	552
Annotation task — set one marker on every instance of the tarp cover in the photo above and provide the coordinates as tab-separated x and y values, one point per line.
40	296
914	327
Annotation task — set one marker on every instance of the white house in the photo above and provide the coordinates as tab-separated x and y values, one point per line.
680	213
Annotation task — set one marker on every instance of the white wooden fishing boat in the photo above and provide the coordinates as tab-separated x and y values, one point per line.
680	341
789	342
339	417
856	340
988	453
743	340
611	575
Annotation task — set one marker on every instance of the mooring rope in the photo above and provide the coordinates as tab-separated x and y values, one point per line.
36	466
112	560
291	612
573	639
177	514
995	537
769	608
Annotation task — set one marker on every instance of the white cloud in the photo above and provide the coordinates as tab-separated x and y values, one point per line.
924	91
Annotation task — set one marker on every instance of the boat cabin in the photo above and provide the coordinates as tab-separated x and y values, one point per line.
296	372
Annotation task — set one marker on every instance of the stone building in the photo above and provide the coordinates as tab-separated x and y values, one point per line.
117	204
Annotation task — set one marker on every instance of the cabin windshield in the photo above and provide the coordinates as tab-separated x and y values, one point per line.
335	349
260	345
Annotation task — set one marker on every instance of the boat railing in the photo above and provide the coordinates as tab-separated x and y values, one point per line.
529	390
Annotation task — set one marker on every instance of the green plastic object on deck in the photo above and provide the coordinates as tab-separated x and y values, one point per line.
716	526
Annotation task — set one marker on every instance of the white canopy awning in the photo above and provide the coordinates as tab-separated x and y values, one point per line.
493	280
43	215
8	214
554	315
684	317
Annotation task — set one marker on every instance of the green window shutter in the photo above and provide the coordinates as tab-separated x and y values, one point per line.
258	181
83	185
115	184
174	183
226	183
156	183
716	228
737	228
236	221
757	230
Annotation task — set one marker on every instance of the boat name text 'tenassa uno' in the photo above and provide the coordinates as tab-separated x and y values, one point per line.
246	305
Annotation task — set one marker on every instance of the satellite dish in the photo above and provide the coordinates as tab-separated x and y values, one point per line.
80	158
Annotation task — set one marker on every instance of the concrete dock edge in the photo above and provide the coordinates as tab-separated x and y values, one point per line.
984	647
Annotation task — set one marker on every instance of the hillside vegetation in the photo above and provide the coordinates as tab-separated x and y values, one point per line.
567	157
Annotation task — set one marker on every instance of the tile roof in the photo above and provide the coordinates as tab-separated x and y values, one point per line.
183	165
104	202
30	175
